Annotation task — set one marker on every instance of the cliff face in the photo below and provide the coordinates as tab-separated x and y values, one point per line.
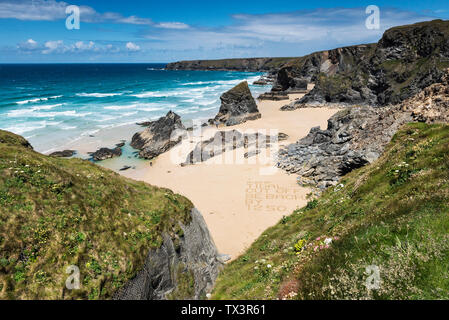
250	64
306	69
183	269
128	239
406	60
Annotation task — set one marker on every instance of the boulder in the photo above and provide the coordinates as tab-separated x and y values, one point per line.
228	141
63	154
159	136
237	106
274	96
106	153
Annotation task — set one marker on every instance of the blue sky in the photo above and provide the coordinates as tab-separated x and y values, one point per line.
34	31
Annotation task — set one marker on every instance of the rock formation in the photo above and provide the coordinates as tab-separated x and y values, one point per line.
356	136
194	257
227	141
406	60
237	106
106	153
63	154
159	136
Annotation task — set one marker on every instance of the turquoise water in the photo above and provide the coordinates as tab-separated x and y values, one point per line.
52	105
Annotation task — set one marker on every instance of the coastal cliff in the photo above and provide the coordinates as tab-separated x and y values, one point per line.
184	268
406	60
126	238
245	64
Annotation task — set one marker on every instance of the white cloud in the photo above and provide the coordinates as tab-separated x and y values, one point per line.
29	45
172	25
135	20
80	45
52	46
51	10
132	46
279	34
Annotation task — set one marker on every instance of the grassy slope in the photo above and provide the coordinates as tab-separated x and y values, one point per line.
393	214
57	212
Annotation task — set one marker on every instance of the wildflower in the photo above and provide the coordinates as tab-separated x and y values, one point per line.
315	249
336	238
328	241
256	268
326	246
268	266
318	239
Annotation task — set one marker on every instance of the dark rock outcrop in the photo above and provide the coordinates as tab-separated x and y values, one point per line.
159	136
193	257
63	154
237	106
274	96
406	60
227	141
106	153
356	136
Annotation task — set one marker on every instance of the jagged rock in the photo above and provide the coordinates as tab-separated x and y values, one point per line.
159	137
227	141
237	106
356	136
194	255
406	60
432	104
274	96
263	81
106	153
63	154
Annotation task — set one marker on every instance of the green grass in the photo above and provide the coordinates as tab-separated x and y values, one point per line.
393	214
60	212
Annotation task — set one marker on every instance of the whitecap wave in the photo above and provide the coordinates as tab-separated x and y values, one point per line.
98	95
37	100
31	111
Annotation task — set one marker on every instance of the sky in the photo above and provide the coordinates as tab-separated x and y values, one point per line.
132	31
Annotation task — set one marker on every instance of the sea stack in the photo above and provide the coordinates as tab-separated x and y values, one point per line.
160	136
237	106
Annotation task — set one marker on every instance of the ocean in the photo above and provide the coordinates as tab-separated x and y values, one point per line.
53	105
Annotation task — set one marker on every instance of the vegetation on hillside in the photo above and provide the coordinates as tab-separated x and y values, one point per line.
390	217
55	213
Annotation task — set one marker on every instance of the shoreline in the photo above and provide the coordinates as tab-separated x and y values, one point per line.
238	200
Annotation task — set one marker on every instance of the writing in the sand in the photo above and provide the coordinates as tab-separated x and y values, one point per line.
266	196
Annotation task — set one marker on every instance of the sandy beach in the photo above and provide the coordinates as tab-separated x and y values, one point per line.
238	200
